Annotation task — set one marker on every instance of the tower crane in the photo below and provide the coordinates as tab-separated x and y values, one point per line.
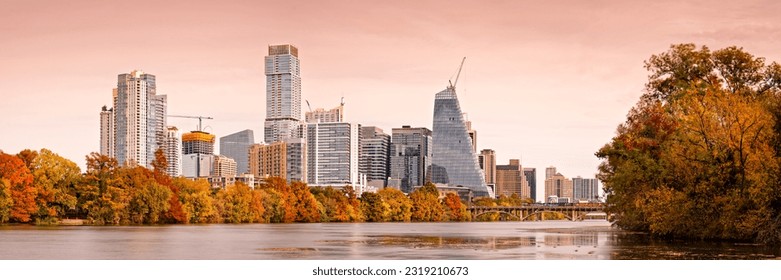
200	119
453	85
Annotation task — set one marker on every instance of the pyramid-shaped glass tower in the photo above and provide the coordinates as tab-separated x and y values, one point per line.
454	161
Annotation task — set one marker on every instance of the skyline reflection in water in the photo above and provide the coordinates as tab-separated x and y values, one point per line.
372	241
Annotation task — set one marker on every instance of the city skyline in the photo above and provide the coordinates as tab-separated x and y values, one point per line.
546	82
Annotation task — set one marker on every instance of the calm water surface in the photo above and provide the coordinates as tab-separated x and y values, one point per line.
470	241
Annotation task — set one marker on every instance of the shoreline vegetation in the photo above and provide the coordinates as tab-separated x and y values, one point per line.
699	156
43	188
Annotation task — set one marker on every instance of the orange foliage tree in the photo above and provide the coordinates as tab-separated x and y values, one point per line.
20	182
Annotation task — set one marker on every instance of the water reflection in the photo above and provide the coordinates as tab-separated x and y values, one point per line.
497	240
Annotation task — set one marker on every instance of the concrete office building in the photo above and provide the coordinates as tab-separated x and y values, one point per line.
560	187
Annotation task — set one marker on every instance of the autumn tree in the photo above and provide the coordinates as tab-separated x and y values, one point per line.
374	208
335	206
55	179
19	182
698	156
100	194
399	205
5	200
455	211
306	206
287	199
196	200
425	204
240	204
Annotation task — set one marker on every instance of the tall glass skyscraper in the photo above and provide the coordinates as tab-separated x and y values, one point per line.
454	158
283	93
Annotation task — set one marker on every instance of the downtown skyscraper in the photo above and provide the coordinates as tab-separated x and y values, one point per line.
139	120
283	94
410	157
454	159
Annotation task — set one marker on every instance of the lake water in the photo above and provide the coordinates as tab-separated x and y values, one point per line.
371	241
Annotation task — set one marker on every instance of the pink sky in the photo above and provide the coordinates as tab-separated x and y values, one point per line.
545	82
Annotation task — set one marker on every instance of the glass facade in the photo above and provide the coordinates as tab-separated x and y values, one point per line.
236	146
454	159
374	154
530	174
410	156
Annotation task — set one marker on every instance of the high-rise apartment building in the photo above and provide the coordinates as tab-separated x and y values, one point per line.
487	160
283	93
107	132
560	187
510	180
224	167
374	157
157	127
410	156
268	160
139	116
173	152
530	174
236	146
585	189
332	155
454	158
323	116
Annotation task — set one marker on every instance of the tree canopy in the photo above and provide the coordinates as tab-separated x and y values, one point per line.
698	156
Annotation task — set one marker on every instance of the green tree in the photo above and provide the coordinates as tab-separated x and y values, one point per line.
698	156
399	205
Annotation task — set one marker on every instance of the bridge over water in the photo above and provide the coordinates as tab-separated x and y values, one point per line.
573	212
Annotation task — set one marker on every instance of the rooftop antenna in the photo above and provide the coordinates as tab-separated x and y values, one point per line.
342	102
453	84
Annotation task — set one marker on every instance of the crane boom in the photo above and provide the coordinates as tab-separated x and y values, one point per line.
453	85
200	119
